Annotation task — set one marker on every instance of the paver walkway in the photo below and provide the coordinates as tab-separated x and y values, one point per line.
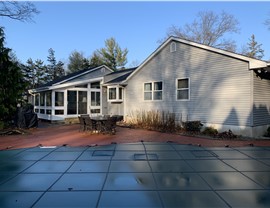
58	135
141	174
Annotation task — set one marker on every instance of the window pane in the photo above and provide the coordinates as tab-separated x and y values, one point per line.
95	98
182	95
112	93
158	86
42	99
48	112
59	112
158	95
148	87
59	98
95	85
82	102
42	111
182	83
148	96
37	100
81	86
48	99
120	93
95	110
72	103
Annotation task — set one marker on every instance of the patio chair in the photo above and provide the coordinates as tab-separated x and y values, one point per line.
90	124
82	123
109	125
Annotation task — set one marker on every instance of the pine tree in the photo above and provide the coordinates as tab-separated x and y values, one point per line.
254	49
54	69
77	62
11	83
111	55
34	73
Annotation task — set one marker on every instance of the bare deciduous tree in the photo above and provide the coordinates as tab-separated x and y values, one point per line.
22	11
209	29
267	22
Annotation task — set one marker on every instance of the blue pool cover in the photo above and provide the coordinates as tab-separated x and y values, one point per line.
135	175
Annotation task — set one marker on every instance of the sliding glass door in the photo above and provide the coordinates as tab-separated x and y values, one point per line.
71	102
77	102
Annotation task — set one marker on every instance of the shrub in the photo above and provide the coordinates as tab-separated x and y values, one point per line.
194	126
154	120
227	135
210	131
267	134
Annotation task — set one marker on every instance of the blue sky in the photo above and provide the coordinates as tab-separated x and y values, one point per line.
137	26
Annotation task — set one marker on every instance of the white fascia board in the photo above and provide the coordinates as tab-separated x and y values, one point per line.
66	85
147	59
94	69
253	63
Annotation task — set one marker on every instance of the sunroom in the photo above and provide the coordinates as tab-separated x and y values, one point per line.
71	96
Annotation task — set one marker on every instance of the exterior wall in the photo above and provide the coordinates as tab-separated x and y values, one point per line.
115	108
261	107
220	86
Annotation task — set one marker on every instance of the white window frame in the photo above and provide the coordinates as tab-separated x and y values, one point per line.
153	90
177	89
117	99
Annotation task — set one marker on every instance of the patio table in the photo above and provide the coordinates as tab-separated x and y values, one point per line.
105	124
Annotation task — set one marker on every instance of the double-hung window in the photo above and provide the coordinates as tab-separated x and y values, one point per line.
153	90
182	88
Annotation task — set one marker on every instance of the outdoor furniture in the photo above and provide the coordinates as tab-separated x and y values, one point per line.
105	124
90	124
109	125
82	123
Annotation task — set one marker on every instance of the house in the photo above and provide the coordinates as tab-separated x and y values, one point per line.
196	82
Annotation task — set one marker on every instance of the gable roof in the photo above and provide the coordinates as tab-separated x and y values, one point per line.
119	76
253	63
69	77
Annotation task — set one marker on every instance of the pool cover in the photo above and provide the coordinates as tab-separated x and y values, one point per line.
140	174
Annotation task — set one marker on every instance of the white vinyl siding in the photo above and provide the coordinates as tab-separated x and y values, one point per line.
219	86
261	107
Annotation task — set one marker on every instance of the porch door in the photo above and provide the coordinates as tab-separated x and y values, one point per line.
82	102
71	102
77	102
95	107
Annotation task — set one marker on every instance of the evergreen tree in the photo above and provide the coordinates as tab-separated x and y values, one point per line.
77	62
96	60
54	69
34	73
11	83
111	55
254	49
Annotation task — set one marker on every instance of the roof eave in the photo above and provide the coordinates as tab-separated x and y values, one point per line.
253	63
